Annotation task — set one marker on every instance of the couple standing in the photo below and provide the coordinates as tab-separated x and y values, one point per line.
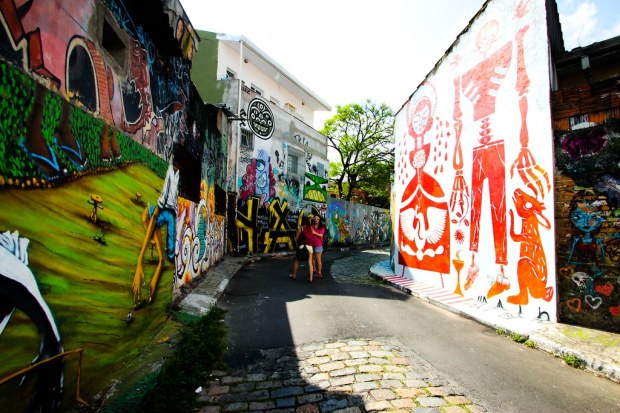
310	234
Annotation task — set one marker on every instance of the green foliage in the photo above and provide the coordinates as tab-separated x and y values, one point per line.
199	350
572	360
361	136
501	331
518	337
530	343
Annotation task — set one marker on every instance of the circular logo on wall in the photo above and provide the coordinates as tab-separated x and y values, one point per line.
260	118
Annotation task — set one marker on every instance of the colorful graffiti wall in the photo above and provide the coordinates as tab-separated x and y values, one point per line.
102	211
351	223
473	208
588	225
280	174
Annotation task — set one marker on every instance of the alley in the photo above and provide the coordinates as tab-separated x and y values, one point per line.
313	343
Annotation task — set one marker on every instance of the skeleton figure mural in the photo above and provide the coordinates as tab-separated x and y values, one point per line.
479	87
424	232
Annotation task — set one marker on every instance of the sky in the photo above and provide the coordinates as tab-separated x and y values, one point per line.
347	51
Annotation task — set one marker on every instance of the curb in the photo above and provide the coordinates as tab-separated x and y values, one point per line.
589	361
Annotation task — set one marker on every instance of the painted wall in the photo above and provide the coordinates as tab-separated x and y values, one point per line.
588	225
353	223
94	109
271	194
473	164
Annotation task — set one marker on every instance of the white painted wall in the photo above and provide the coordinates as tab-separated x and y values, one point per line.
431	232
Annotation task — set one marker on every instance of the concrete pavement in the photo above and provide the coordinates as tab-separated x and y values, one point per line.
336	376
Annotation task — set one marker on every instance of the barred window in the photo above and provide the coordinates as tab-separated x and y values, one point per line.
247	138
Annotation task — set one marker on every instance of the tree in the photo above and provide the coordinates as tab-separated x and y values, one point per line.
361	137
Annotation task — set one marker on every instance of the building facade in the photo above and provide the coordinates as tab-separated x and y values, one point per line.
506	188
277	163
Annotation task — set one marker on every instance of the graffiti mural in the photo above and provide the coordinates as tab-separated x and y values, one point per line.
464	165
91	124
588	226
352	223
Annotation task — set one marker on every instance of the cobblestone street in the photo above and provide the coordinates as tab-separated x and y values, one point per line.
354	269
340	376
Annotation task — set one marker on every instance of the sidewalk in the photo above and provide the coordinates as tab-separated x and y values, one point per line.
598	350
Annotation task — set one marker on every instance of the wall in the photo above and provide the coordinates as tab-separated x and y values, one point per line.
270	196
474	154
95	103
588	221
352	223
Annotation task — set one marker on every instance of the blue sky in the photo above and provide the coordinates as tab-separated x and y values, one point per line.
349	50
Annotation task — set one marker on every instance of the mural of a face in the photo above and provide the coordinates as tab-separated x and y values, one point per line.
260	119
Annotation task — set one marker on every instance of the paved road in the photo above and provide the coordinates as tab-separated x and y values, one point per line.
267	312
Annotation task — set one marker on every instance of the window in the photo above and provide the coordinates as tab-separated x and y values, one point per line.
274	101
247	138
113	44
256	89
293	164
230	74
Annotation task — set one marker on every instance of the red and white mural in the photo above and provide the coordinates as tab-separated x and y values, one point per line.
472	195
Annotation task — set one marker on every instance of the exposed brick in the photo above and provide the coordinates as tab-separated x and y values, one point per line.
340	356
255	377
269	384
381	353
357	343
382	405
391	384
361	387
370	368
454	409
343	372
309	398
327	352
415	383
352	348
335	345
341	381
332	366
436	391
209	409
287	392
242	387
308	408
359	354
318	360
286	402
403	403
267	405
356	362
431	401
333	404
366	377
412	393
401	361
236	407
342	389
231	380
378	360
320	377
382	394
353	409
457	400
217	390
393	376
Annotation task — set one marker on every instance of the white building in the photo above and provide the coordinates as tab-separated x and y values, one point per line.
276	160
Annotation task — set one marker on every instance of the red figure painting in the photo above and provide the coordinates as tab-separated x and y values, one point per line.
424	233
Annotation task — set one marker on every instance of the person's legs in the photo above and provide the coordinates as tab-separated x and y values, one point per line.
295	269
318	253
310	266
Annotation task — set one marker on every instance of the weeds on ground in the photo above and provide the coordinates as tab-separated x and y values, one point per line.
572	360
198	351
518	337
530	343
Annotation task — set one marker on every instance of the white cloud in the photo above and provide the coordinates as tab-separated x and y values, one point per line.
579	27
